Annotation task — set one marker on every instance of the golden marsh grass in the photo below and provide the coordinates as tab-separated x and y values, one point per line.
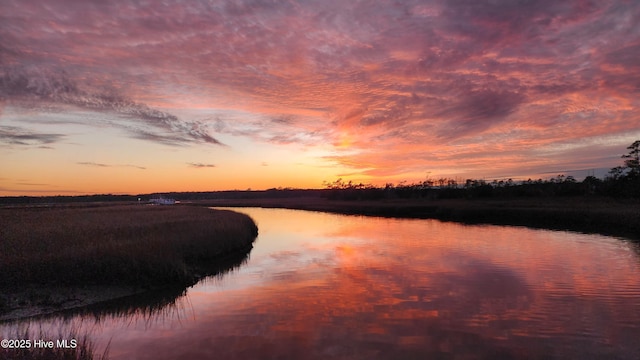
140	246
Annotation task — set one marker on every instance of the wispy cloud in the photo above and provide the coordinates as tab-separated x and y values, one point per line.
201	165
31	184
94	164
87	163
394	88
31	88
21	136
49	190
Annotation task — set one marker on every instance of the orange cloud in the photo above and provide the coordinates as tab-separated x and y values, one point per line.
394	89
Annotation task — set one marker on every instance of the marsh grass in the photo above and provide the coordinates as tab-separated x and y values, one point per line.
139	245
83	350
159	304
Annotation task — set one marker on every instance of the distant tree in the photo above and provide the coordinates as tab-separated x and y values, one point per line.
338	184
616	173
624	181
632	162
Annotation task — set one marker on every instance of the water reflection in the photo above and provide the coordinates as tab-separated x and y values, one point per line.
346	287
148	309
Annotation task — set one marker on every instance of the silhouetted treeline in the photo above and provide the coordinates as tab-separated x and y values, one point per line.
560	186
275	193
451	189
621	182
180	196
61	199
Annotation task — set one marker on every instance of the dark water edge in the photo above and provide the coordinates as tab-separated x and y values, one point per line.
593	216
130	300
151	304
57	259
156	301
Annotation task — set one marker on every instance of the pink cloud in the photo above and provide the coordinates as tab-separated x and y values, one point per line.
404	85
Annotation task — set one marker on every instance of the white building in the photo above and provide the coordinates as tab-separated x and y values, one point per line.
160	200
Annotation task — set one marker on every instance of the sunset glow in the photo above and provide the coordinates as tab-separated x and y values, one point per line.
141	97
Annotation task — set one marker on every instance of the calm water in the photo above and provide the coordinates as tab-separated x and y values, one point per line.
321	286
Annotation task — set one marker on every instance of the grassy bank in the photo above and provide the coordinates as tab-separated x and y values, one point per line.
132	247
78	347
602	215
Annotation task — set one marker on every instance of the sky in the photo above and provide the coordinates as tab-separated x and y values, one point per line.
131	97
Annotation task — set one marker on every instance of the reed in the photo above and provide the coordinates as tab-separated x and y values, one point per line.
138	245
78	347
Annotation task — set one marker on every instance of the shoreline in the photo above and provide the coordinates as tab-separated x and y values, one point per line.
63	299
592	215
188	245
51	300
604	216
